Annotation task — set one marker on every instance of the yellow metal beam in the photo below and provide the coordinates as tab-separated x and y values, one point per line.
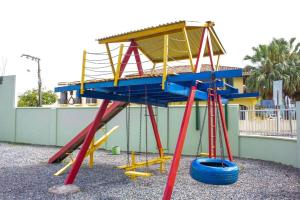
83	72
154	31
218	63
154	161
216	39
203	154
117	74
91	150
188	48
166	47
134	174
110	59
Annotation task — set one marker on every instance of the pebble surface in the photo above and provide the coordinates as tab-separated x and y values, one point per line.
25	174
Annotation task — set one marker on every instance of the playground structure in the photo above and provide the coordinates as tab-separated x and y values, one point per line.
162	44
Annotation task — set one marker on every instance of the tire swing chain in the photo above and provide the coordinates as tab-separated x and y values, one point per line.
146	126
220	137
140	131
128	127
201	133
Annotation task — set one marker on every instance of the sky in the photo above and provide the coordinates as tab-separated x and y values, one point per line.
57	31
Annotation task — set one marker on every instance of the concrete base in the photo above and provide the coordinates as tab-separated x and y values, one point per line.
64	189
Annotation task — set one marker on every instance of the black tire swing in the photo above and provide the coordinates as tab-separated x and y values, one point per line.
214	171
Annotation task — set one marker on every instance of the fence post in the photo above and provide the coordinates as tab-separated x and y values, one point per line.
298	132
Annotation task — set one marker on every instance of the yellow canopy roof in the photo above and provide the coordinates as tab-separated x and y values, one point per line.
150	40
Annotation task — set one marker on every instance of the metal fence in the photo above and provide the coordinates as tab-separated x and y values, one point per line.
268	122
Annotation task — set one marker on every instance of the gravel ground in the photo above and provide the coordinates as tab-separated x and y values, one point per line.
25	174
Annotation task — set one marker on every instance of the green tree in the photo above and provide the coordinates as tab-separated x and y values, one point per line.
279	60
30	98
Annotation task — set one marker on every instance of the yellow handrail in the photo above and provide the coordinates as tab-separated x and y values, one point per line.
189	49
166	45
83	72
117	74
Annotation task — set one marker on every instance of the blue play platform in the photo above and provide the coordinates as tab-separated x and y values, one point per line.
148	90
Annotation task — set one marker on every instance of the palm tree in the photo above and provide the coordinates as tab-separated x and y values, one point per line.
279	60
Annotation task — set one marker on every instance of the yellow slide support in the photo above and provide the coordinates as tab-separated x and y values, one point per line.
90	152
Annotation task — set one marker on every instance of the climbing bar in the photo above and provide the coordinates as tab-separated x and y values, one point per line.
188	48
117	73
83	72
110	59
166	44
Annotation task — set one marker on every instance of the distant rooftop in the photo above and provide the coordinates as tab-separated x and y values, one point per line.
183	69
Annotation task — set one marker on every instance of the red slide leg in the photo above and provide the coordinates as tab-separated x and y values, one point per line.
79	159
175	163
224	128
155	130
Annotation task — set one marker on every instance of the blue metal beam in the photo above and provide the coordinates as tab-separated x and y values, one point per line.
177	89
228	73
114	97
205	85
180	78
241	95
228	91
189	77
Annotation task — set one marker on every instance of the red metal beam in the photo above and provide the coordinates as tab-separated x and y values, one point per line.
126	57
224	128
202	38
138	59
210	52
209	123
110	112
87	141
214	126
180	142
155	130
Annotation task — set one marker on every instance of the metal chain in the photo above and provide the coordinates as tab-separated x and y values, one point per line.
168	128
201	133
146	122
128	127
220	136
140	135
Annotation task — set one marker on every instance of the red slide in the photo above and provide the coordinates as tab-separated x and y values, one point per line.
112	111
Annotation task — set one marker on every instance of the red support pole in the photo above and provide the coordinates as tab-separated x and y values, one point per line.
155	130
209	123
126	57
87	141
210	53
175	163
214	126
137	59
224	128
203	37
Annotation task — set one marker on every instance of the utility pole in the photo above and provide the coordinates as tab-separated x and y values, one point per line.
36	59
